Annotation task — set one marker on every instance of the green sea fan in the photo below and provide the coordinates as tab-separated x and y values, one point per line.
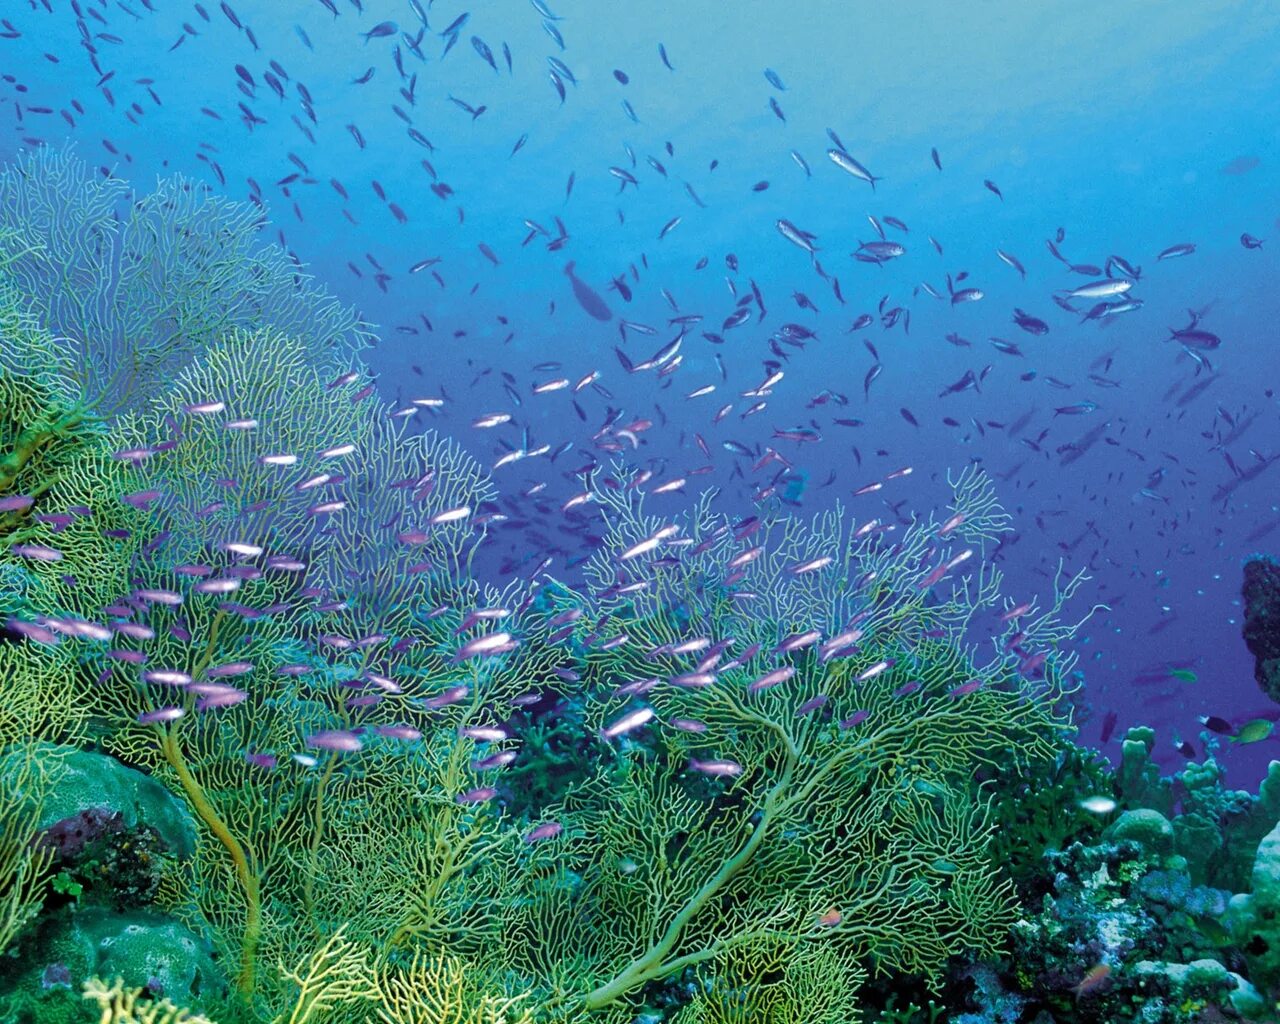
140	286
278	403
830	804
54	451
781	983
298	611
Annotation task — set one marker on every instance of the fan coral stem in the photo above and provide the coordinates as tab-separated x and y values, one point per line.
244	872
654	964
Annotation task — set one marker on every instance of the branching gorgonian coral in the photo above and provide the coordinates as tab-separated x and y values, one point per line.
139	286
296	651
801	719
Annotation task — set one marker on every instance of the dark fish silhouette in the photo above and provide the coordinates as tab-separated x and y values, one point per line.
1241	165
588	298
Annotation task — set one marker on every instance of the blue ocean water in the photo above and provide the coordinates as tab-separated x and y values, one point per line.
1124	129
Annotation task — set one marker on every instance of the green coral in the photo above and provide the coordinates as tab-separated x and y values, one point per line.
779	983
296	562
1138	777
147	950
1041	809
142	285
1217	829
1149	829
1199	984
868	839
1254	918
86	780
54	449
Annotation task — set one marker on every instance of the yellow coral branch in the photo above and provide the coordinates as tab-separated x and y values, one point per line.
337	973
120	1005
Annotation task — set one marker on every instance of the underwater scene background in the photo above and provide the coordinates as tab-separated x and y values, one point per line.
595	512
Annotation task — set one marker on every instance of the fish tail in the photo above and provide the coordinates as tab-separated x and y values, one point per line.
568	267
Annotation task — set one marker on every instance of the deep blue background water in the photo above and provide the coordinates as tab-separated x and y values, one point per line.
1131	128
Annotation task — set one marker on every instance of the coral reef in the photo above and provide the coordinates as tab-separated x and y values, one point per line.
270	752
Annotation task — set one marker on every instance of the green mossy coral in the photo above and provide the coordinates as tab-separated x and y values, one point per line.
1254	918
149	951
85	780
1040	809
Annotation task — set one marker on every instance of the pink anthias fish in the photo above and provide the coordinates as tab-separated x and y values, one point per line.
965	688
546	830
773	678
718	769
485	646
335	739
37	552
628	723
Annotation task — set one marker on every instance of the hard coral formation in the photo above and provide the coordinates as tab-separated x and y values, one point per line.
1261	593
1253	918
1157	908
91	789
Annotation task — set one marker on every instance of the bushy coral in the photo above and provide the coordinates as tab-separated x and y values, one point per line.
141	285
121	1005
1254	918
1217	830
1152	920
241	511
1043	809
785	792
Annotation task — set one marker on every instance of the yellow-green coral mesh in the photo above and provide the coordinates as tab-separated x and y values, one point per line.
39	435
779	982
55	451
42	699
446	990
869	838
143	285
287	828
120	1005
28	772
334	979
214	477
400	483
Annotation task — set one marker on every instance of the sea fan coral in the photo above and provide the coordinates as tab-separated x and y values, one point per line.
802	715
139	286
